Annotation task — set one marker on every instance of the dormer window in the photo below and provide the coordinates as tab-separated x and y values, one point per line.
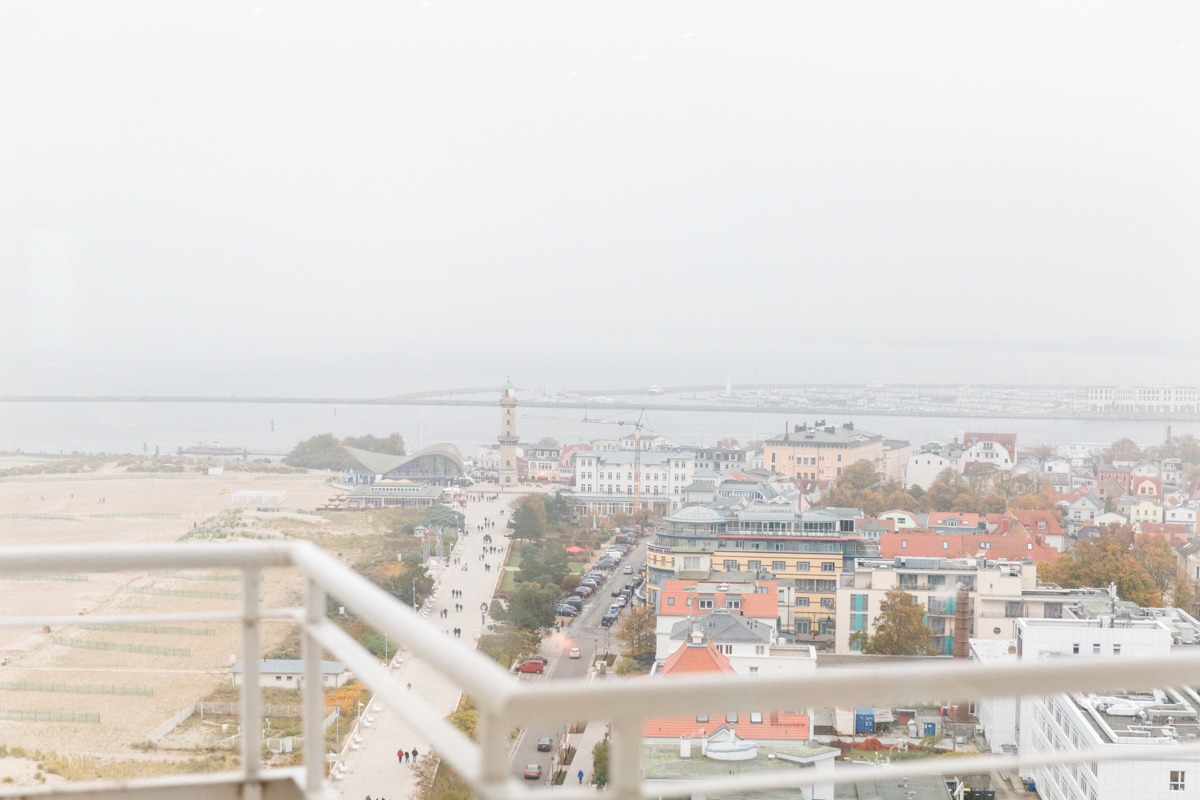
1041	525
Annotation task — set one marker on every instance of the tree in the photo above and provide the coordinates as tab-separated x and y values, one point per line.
532	606
534	502
859	476
1042	452
322	451
900	628
440	516
392	445
412	574
600	763
547	441
949	492
560	508
637	634
526	525
1183	594
727	442
544	564
1158	559
1123	450
1111	558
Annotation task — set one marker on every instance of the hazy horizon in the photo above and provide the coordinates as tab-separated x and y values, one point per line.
220	199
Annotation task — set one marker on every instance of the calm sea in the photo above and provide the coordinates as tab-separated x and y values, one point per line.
102	427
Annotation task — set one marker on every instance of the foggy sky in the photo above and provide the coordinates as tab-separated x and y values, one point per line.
365	198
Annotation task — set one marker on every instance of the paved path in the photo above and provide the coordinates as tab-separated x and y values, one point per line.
373	768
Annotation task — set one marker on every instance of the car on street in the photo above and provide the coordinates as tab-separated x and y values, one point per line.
532	666
608	620
533	772
628	569
575	653
545	745
617	590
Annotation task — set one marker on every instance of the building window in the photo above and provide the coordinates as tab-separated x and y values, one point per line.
1012	609
1095	649
731	716
755	716
904	544
802	602
754	566
828	566
802	566
1116	649
827	602
670	601
706	604
760	650
702	718
1177	780
778	566
1075	649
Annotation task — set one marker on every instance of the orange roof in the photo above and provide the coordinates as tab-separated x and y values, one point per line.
963	545
1176	533
1030	520
938	519
693	659
759	605
783	725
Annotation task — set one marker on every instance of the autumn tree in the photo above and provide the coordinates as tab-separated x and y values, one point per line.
727	442
1158	559
637	633
1183	593
1123	450
1111	558
900	628
858	487
949	492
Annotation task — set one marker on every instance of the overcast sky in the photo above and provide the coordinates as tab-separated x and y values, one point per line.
360	198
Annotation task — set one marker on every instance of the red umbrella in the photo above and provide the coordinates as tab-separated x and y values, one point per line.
574	549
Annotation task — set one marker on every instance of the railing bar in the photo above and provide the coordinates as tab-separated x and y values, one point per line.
479	676
91	620
140	557
454	747
868	685
980	764
251	690
314	693
625	759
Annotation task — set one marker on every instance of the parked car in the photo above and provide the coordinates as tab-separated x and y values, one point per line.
595	584
628	569
531	666
533	772
583	591
608	619
596	576
572	600
575	653
617	591
566	611
542	659
605	564
545	745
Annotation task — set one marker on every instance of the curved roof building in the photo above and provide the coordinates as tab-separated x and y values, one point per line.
436	462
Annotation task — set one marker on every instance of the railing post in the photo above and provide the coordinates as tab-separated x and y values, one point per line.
625	759
493	751
251	690
314	692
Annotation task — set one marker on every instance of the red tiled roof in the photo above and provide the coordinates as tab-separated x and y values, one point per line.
963	545
781	726
692	659
1175	532
1030	520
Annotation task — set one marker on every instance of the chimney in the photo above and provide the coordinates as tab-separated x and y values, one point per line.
848	426
962	623
685	747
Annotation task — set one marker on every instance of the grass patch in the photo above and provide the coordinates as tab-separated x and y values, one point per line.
89	768
508	584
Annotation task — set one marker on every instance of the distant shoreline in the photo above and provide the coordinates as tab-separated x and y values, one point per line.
803	411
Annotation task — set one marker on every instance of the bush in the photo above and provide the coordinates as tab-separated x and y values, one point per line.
600	763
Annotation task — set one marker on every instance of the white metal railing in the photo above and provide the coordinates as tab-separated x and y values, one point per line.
504	703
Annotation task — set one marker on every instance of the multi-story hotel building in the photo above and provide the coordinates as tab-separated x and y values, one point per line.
821	453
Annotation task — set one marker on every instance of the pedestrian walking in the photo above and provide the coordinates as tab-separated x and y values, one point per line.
414	754
400	755
580	777
405	756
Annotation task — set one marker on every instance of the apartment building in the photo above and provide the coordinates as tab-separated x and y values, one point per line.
999	593
1144	399
822	452
604	480
681	600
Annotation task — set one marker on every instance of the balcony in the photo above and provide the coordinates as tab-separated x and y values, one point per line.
504	703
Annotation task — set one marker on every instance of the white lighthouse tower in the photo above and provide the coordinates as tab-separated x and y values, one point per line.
508	435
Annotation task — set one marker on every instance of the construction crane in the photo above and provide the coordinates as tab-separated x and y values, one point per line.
638	426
